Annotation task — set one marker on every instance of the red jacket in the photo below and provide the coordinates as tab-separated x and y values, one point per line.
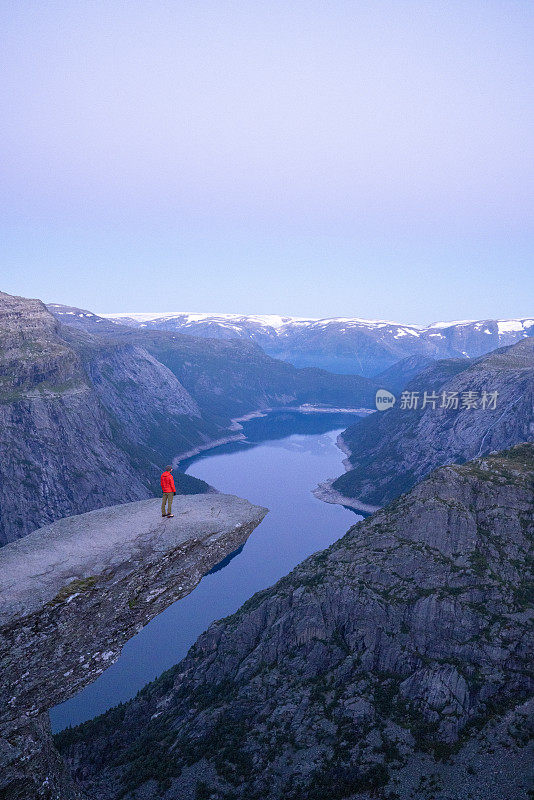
167	482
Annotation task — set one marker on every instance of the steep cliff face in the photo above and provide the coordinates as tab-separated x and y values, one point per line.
390	451
393	664
71	595
56	446
155	416
70	442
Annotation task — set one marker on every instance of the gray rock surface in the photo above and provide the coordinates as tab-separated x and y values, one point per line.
72	593
394	664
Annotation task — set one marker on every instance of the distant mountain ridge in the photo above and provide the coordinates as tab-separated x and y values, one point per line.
340	344
278	321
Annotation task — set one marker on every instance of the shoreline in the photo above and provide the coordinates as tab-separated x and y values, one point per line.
305	408
343	446
324	491
309	409
235	425
207	446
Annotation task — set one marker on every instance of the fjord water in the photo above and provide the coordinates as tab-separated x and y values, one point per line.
285	456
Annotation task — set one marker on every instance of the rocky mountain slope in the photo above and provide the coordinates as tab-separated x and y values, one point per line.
87	419
71	595
72	433
391	450
394	664
346	345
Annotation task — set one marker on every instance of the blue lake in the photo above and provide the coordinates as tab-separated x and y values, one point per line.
285	456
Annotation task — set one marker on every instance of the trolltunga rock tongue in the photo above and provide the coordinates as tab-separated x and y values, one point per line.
72	593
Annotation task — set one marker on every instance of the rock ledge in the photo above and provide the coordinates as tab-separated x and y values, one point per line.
74	592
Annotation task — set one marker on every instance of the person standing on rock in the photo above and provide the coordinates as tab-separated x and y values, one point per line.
169	490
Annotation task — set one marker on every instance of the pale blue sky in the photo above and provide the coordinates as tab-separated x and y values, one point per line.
370	158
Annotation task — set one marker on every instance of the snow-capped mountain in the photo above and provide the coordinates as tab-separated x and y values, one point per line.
341	344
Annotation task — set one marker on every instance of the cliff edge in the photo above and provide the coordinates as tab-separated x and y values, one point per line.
72	593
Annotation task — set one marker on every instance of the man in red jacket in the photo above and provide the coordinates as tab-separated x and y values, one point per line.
169	490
